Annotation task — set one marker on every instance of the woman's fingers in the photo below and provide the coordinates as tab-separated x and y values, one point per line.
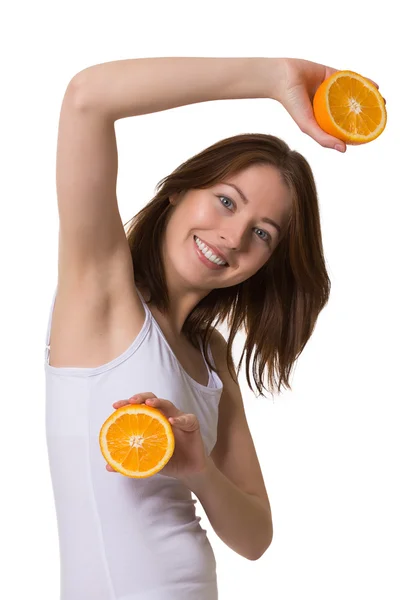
301	111
136	399
312	129
168	408
120	403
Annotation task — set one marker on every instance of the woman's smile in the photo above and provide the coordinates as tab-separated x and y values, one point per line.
208	263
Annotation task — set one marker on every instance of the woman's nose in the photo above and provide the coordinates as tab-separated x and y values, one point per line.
234	239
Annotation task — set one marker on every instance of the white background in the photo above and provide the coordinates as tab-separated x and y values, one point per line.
329	449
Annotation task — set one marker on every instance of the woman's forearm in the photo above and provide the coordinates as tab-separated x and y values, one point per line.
130	87
242	521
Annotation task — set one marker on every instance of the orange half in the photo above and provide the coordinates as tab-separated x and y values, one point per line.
349	107
137	440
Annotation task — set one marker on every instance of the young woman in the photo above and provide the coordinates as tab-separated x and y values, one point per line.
232	234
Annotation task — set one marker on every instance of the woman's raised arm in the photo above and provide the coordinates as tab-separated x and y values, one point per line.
126	88
130	87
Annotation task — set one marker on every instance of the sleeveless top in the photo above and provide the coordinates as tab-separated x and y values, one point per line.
122	538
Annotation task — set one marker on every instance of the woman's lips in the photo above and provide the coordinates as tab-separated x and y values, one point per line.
205	260
214	250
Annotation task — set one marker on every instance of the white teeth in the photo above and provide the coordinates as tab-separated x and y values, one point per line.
207	252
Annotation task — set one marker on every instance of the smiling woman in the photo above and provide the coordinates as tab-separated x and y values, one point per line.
248	199
264	236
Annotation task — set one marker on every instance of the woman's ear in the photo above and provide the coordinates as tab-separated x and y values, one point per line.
173	199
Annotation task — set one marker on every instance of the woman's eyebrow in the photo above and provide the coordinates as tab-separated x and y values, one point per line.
245	200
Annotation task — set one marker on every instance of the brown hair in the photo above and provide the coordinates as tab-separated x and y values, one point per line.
278	306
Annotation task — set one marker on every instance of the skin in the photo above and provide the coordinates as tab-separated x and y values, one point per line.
228	223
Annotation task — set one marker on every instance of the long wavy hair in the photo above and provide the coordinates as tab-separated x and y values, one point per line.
279	305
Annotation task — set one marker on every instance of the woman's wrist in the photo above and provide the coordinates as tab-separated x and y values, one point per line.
269	74
256	77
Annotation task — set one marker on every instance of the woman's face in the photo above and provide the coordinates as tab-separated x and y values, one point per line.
219	216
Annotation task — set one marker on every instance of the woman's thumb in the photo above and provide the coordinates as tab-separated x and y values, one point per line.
311	128
302	113
188	422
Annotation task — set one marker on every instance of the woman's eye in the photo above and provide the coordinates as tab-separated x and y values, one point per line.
267	237
226	199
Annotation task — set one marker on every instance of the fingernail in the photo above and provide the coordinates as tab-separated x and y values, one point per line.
340	148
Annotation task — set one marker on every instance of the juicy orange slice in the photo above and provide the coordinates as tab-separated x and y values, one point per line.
349	107
137	440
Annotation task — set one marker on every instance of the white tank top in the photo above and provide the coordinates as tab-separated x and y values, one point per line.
122	538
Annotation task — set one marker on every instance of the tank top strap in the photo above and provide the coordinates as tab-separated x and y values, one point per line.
211	376
142	299
209	353
210	373
47	341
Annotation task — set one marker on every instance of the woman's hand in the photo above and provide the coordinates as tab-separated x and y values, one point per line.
295	88
189	457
